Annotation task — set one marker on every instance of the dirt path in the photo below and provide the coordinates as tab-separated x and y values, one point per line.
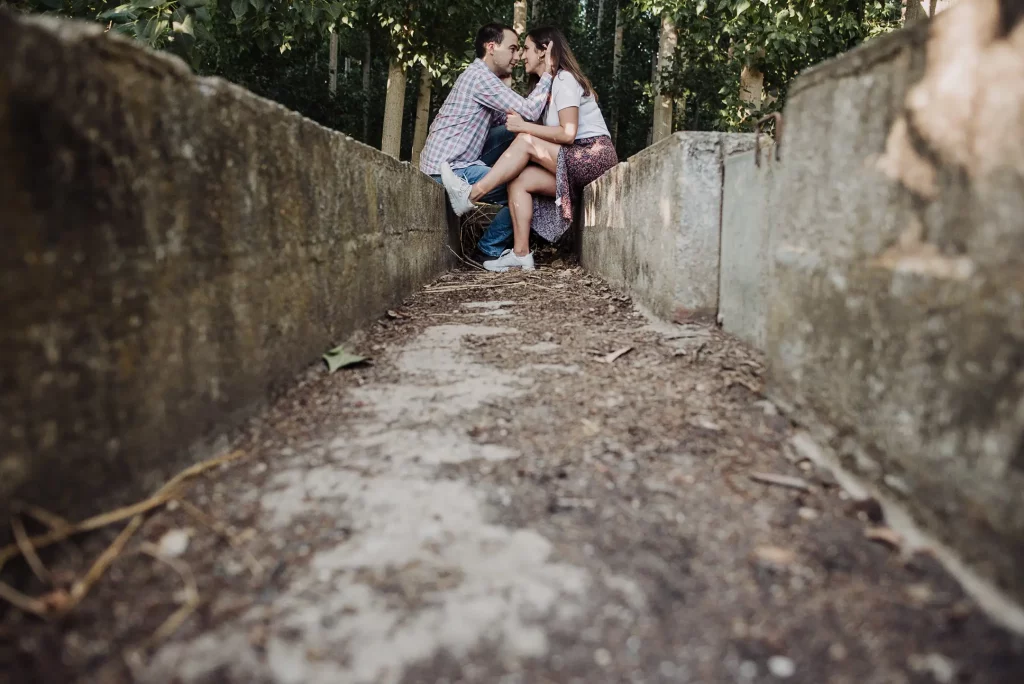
501	498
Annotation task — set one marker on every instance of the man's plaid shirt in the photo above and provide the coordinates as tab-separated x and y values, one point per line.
478	101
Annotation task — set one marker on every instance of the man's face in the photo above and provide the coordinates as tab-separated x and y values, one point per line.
506	55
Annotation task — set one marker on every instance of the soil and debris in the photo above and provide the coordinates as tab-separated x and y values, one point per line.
527	481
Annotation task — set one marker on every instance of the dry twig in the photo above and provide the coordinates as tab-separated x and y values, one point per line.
189	605
797	483
27	550
60	602
255	567
467	262
163	495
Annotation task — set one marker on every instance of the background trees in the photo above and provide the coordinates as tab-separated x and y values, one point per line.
379	69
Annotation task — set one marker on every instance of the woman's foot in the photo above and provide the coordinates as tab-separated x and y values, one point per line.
458	190
509	260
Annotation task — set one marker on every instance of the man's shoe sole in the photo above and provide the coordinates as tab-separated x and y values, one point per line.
446	171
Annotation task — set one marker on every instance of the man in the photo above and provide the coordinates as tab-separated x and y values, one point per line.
469	133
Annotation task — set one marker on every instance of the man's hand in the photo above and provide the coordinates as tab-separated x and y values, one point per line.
513	122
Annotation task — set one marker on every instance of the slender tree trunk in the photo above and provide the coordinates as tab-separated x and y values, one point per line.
332	84
419	135
600	17
616	71
654	80
536	11
348	66
519	16
394	104
919	10
366	90
751	86
663	103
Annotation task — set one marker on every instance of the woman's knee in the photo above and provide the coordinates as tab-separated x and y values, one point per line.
524	140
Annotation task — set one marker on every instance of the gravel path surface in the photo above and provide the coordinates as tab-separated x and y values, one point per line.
530	482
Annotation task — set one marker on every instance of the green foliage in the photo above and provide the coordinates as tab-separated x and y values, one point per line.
279	49
780	38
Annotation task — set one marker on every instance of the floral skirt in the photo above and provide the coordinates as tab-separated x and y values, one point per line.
578	164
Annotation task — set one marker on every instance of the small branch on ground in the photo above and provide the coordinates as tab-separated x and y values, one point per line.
60	602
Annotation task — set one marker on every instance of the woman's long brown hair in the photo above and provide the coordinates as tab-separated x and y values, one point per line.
561	54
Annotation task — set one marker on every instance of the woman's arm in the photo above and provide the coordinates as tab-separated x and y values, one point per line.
563	134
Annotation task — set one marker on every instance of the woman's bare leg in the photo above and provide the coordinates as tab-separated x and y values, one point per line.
524	149
534	180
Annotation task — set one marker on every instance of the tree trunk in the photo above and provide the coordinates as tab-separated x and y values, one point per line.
654	80
616	70
366	90
419	135
663	103
919	10
751	86
348	66
394	104
600	17
332	84
536	11
519	17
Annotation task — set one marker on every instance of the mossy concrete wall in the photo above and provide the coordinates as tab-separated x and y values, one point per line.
896	314
175	250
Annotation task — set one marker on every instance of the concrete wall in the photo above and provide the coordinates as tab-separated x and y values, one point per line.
896	323
745	263
651	225
174	250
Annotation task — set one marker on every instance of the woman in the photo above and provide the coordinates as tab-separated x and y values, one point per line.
551	161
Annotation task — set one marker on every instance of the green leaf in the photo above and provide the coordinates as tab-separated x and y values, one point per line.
742	7
185	26
119	14
147	4
193	3
339	358
203	34
239	7
54	4
701	6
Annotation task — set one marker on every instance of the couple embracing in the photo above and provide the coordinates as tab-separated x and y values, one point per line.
532	154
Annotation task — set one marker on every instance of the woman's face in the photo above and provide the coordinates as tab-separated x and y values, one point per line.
533	58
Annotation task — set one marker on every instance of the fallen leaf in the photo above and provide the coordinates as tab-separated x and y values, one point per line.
396	314
884	535
610	358
339	358
774	557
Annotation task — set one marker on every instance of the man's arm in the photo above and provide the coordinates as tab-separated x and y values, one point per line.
494	94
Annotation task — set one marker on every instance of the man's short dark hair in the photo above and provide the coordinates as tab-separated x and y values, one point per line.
490	33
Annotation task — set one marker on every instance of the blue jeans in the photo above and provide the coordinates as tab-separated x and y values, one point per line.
498	236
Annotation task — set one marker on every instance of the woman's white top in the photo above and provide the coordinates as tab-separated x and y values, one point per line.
567	92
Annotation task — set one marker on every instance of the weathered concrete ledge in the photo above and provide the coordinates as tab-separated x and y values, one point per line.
652	225
174	250
896	316
743	288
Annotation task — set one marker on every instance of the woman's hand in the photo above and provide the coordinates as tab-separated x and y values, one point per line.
513	122
549	63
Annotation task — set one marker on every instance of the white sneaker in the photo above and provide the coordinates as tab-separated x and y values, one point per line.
458	190
510	259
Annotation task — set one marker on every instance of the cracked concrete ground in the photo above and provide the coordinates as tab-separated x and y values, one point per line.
500	497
